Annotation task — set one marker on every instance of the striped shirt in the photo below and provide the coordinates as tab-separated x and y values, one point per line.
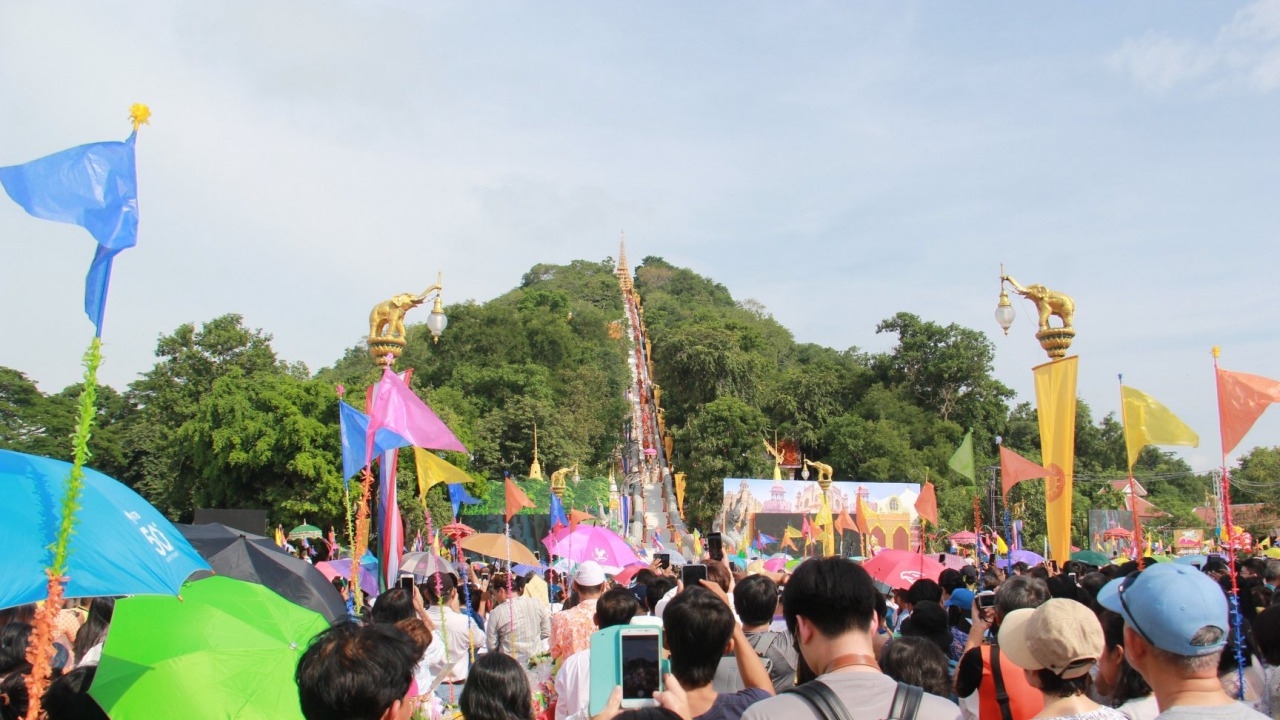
527	636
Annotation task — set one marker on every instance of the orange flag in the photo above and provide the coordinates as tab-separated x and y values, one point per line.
1241	400
927	503
516	499
577	516
1014	469
845	523
866	517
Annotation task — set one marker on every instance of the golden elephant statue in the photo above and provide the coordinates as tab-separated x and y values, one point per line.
387	317
1048	302
824	470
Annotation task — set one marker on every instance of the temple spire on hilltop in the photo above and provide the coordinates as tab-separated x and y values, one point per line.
623	272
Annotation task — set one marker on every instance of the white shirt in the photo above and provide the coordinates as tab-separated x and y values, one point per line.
573	687
458	633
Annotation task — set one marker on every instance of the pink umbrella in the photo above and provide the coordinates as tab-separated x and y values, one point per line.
342	568
899	569
964	537
953	562
776	564
592	542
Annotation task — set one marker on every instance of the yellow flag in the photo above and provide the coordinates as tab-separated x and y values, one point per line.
1056	407
792	533
1001	547
433	470
827	526
1147	422
680	485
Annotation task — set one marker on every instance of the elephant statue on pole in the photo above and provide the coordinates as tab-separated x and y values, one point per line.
1048	302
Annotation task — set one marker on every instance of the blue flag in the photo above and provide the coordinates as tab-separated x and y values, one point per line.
458	495
94	186
354	427
558	516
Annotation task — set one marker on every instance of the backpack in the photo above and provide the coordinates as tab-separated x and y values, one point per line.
829	706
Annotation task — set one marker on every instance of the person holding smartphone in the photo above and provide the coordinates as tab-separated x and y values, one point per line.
699	628
988	683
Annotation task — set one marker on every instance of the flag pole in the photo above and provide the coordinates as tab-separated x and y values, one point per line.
39	650
1231	542
1133	497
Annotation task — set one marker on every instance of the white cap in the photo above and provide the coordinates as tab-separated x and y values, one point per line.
589	574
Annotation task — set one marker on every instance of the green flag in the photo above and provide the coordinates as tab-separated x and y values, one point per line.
962	461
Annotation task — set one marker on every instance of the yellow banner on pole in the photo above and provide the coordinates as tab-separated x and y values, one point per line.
1056	407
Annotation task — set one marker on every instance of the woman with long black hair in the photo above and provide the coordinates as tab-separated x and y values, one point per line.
497	689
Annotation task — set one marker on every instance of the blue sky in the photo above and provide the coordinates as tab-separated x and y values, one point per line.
838	162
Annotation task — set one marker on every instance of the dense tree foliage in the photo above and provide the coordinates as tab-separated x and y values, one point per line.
221	421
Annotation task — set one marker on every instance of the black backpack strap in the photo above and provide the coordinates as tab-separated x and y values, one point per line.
1002	695
906	702
822	699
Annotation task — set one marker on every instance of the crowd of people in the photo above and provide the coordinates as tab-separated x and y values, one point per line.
1135	641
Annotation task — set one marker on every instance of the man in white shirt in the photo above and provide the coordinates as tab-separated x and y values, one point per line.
517	625
573	682
458	632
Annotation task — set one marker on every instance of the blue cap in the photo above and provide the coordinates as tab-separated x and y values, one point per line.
961	598
1170	603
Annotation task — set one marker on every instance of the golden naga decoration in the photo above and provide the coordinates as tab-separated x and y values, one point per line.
1049	303
824	472
386	322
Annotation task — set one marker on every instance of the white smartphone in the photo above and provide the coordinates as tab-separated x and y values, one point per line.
639	665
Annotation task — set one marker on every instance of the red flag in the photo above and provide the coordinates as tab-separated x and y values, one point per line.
1014	469
577	516
516	499
927	503
1241	400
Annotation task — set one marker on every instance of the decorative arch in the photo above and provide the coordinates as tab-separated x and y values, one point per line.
901	540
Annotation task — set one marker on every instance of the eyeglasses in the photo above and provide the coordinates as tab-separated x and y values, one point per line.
1129	617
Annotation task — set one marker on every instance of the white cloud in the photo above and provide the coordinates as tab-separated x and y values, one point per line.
1244	53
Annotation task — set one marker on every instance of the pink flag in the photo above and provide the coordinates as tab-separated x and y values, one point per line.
398	409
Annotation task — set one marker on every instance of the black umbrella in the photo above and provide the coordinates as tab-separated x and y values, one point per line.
255	559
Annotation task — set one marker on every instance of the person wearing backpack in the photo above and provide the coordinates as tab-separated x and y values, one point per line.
755	599
830	607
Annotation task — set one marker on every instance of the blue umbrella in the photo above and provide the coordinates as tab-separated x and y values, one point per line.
121	544
1197	560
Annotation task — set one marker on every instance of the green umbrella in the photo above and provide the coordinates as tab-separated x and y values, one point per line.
1090	557
223	649
306	532
1161	558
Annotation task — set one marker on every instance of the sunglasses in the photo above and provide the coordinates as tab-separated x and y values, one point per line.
1129	617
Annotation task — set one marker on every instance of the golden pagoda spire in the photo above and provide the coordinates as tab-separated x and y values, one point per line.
535	470
623	272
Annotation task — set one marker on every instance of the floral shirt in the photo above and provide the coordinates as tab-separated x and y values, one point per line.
571	629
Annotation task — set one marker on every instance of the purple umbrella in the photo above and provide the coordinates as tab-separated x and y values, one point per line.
342	568
1025	556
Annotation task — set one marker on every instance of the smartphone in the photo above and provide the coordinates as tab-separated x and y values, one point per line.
664	560
986	599
715	547
691	574
1053	567
1073	579
406	582
639	672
